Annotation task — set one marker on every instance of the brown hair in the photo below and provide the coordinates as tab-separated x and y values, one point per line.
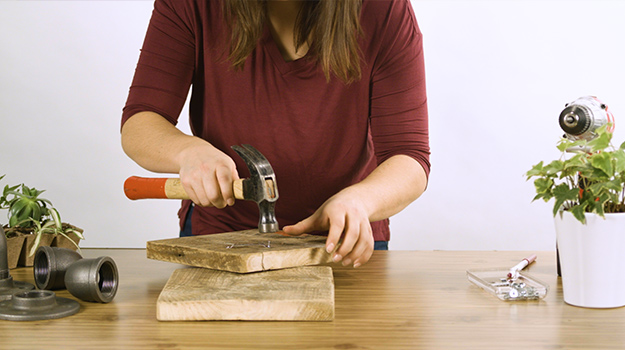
332	26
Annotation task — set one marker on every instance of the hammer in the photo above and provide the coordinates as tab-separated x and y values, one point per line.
260	187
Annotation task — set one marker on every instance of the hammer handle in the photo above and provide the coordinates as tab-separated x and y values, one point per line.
136	187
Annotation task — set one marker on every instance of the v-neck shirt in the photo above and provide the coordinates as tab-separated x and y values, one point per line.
319	136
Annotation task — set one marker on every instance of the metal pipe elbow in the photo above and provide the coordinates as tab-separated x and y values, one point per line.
93	280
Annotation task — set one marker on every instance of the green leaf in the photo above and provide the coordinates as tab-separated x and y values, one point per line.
565	144
619	160
563	193
49	225
578	213
603	129
69	239
35	244
602	161
577	160
35	192
599	205
56	217
554	167
605	186
26	190
593	174
596	207
537	170
35	211
16	208
546	196
601	142
622	146
15	193
77	233
543	185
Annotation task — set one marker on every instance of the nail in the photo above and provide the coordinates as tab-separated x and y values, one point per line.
330	248
337	258
347	262
356	264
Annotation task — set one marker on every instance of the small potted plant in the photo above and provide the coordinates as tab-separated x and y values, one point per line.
33	221
587	185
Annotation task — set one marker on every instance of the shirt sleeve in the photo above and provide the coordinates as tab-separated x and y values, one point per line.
165	69
398	105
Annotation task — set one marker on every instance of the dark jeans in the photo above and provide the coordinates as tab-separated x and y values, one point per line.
186	231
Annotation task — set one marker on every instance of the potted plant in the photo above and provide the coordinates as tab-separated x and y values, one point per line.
33	221
587	185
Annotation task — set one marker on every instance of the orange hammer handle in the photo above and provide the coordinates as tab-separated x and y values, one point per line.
142	188
136	187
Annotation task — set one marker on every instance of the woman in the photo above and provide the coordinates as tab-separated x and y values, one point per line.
331	92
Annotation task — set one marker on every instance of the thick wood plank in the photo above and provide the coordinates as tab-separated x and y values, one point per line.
296	294
241	251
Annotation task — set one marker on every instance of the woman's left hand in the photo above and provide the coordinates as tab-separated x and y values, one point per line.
346	219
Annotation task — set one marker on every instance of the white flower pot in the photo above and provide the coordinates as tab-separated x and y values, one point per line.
592	259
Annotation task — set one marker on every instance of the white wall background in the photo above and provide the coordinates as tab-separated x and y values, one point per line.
498	72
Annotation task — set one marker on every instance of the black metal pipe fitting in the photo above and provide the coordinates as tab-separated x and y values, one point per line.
37	305
8	286
50	265
87	279
4	252
93	279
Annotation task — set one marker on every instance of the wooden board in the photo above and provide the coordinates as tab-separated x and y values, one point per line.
241	251
296	294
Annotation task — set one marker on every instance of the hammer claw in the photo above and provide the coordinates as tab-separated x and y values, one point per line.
262	182
255	161
260	187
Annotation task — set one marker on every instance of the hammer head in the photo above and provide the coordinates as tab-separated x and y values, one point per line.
260	187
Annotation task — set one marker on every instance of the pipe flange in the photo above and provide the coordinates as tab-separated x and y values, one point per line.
37	305
8	287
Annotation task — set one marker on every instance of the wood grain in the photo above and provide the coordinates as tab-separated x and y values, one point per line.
399	300
174	189
296	294
241	251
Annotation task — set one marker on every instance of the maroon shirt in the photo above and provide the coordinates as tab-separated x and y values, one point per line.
319	136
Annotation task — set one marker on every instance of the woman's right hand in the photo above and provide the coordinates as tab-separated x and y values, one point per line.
207	175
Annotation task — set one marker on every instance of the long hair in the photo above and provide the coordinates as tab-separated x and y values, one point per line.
330	28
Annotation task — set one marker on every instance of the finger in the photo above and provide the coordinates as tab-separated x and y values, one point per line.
224	181
301	227
212	191
192	195
351	232
364	248
337	225
194	190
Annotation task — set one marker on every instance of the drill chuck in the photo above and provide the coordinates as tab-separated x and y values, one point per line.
582	117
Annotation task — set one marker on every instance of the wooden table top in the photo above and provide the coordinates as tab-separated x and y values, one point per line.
399	300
